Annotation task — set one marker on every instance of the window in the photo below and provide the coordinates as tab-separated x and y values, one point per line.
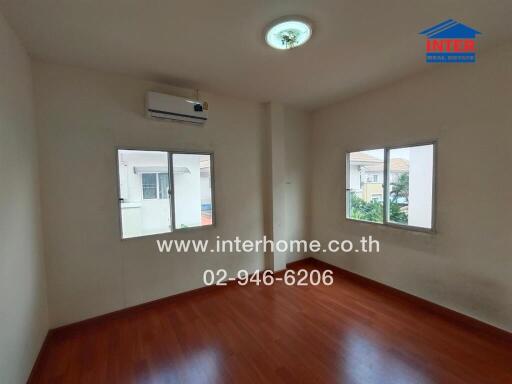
405	198
149	186
153	182
372	178
161	192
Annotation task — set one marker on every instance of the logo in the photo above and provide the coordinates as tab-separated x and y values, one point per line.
450	42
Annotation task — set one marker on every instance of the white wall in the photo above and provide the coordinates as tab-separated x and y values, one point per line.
466	266
286	196
276	166
297	147
23	308
82	116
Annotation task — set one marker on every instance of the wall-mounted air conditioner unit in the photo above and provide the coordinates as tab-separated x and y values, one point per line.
167	107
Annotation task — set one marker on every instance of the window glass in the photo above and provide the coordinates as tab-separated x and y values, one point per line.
142	212
365	170
192	190
206	190
411	173
163	186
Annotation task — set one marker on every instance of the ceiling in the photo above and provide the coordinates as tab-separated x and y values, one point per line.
218	45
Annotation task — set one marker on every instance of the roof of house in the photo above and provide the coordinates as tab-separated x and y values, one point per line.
363	157
450	29
395	165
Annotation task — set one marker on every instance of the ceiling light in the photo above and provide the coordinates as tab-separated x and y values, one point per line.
288	32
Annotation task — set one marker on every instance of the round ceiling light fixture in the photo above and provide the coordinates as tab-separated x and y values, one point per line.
288	32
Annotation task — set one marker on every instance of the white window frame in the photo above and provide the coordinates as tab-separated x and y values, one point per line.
385	187
169	152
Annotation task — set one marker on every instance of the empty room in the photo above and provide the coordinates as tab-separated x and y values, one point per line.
244	191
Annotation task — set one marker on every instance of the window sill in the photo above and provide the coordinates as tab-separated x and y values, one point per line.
395	226
178	230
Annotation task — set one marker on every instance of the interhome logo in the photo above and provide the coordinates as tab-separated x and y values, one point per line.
450	42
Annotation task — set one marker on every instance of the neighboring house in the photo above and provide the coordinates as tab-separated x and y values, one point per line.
357	177
367	175
374	175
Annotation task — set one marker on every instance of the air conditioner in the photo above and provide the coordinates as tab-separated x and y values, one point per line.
167	107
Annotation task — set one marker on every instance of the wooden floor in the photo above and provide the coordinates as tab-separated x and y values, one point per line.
351	332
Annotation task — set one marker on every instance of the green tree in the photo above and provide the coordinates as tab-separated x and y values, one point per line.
363	210
373	210
396	214
400	189
398	199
